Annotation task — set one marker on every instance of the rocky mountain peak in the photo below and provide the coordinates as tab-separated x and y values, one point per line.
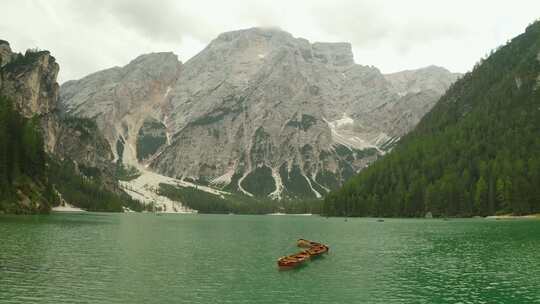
155	57
253	33
257	46
337	53
258	111
29	80
155	64
413	81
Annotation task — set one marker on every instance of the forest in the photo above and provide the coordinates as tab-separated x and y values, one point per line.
206	202
30	178
475	153
23	175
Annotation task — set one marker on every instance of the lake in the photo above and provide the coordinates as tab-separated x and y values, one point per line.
143	258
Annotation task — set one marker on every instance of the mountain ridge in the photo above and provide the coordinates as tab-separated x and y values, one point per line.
301	116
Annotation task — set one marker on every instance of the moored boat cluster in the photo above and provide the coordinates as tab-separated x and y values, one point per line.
313	250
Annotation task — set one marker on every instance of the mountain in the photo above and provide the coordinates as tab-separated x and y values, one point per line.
29	80
258	112
123	100
46	159
28	91
474	153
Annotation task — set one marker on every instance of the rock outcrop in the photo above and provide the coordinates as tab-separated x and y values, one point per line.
431	78
29	80
120	100
258	111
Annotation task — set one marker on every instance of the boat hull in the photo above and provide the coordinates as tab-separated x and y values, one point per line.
317	251
306	244
293	261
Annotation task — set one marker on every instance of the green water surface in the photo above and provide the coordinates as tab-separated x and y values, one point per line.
143	258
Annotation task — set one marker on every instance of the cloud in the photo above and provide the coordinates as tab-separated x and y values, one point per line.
165	20
89	35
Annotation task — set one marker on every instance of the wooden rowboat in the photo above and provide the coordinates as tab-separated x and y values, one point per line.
293	261
305	243
317	250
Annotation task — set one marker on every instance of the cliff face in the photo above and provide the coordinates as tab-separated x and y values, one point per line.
29	80
258	111
121	100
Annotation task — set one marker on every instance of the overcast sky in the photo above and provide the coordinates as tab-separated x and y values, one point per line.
90	35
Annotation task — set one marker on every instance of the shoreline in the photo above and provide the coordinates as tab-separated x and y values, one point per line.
511	216
67	208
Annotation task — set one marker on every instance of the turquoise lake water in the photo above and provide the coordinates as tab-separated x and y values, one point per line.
143	258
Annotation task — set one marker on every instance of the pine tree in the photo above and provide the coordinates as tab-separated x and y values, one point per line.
501	193
481	196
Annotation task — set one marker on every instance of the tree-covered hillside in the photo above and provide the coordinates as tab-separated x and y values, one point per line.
30	179
476	153
24	187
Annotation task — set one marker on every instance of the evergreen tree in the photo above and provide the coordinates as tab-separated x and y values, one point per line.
481	196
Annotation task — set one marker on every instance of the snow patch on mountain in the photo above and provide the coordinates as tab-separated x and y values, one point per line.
276	194
129	156
167	91
145	189
381	139
240	185
167	133
317	194
346	137
224	179
345	120
314	180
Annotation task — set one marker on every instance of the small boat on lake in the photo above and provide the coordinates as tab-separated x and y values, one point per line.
305	243
318	250
293	261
